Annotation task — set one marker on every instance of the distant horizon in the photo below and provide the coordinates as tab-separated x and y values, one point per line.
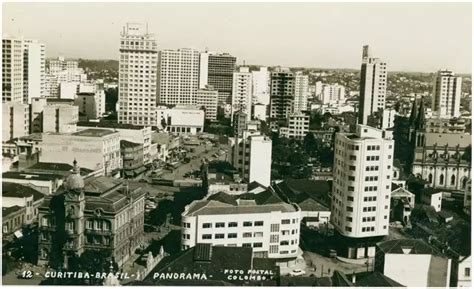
409	37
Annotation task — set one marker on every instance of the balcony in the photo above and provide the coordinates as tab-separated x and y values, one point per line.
98	232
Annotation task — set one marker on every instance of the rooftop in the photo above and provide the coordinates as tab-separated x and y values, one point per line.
377	279
58	167
129	144
93	132
9	210
14	190
31	176
109	124
407	246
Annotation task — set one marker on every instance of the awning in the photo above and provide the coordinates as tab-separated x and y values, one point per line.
18	234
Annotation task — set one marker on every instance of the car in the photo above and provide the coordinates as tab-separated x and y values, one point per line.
297	272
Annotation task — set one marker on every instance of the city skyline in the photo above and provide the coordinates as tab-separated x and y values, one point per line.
317	37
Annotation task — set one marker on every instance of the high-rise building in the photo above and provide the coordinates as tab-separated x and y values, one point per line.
362	185
252	157
373	85
207	99
34	63
12	68
15	120
178	77
318	89
242	92
446	94
282	93
332	94
261	86
301	92
137	76
218	70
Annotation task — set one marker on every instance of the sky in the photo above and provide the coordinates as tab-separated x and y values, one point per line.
421	37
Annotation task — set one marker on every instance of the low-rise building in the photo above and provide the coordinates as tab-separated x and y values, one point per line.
259	221
180	119
24	196
298	126
401	204
132	156
465	272
92	104
413	263
99	213
45	183
225	180
60	118
13	219
15	120
98	148
432	197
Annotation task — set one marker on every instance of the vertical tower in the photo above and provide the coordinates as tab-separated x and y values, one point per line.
34	74
242	92
137	76
282	93
178	76
261	86
373	85
446	94
12	67
301	92
362	185
220	72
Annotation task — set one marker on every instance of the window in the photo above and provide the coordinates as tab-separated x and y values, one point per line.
284	243
247	245
257	245
232	224
348	229
350	198
232	235
258	234
220	225
286	221
207	237
273	249
219	236
247	224
352	168
207	225
349	209
352	158
274	227
351	178
274	238
350	188
348	219
467	272
258	223
247	234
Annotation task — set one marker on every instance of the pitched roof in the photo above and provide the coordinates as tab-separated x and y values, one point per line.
377	279
15	190
9	210
313	206
407	246
298	190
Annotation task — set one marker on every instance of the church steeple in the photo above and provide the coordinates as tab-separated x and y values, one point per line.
420	119
413	113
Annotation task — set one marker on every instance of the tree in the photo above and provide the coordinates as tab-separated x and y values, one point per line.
467	154
309	143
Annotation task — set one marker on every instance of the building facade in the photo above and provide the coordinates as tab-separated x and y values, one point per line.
178	77
362	186
446	99
15	120
34	70
207	98
60	118
301	92
242	92
217	70
137	76
282	93
13	69
261	86
373	85
180	119
132	157
333	94
298	126
97	214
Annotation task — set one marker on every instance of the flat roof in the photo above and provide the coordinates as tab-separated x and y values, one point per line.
94	132
109	124
31	176
217	208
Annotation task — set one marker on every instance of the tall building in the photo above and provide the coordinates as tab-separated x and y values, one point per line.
282	93
446	94
301	92
137	75
99	213
12	70
298	126
373	85
261	86
60	118
332	94
252	157
207	99
242	92
362	185
178	77
34	63
217	70
15	120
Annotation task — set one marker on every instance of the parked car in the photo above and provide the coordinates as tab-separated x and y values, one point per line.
297	272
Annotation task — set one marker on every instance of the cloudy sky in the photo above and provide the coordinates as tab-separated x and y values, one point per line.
408	36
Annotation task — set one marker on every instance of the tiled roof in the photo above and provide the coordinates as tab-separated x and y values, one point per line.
218	208
93	132
20	191
31	176
9	210
406	246
377	279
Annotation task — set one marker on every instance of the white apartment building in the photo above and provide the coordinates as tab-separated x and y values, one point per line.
388	118
15	120
98	149
60	118
242	92
465	272
318	89
301	92
36	114
91	104
207	98
272	230
181	119
446	98
298	126
178	76
252	157
34	73
137	76
373	85
333	94
362	184
261	86
12	70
